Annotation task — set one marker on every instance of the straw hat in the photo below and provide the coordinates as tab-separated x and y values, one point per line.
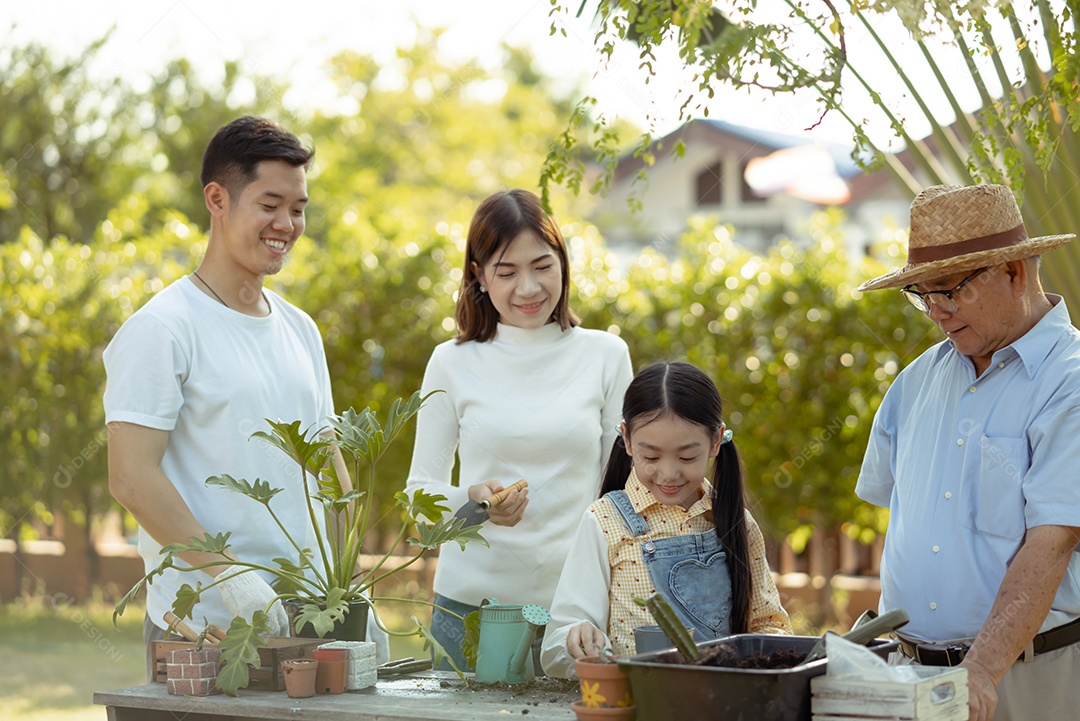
958	227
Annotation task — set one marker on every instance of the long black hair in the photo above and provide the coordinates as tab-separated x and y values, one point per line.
685	391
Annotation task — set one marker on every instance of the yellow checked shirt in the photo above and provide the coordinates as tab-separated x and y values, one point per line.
630	578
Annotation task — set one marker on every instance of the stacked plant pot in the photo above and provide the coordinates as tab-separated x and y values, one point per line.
192	673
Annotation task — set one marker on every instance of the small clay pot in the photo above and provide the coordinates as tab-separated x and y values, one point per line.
617	713
333	673
300	676
602	683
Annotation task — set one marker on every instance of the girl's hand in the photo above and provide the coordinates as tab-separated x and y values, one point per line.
584	640
512	508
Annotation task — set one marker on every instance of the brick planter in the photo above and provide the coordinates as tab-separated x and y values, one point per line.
192	673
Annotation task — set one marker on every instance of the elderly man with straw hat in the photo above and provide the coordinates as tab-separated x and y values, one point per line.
975	450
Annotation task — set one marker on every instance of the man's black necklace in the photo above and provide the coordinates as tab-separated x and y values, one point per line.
196	274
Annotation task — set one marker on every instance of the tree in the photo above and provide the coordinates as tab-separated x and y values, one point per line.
1020	59
59	135
63	303
76	147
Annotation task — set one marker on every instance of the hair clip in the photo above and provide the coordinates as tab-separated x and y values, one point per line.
727	436
618	429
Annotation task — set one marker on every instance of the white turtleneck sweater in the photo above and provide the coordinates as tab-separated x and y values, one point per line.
539	404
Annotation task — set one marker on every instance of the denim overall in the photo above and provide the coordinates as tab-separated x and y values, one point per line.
690	571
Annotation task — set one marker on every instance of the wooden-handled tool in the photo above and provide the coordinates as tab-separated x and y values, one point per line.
863	632
215	632
476	512
177	624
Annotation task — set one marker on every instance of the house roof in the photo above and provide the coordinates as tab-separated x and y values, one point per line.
755	142
841	154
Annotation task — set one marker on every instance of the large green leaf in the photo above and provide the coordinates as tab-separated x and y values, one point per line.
147	580
339	502
401	412
446	530
322	620
185	600
259	490
283	583
217	544
358	433
470	645
134	591
438	653
239	650
361	434
329	482
423	504
293	442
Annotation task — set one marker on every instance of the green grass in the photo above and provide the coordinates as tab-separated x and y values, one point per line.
57	655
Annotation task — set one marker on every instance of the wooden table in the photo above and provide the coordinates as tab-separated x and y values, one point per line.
427	696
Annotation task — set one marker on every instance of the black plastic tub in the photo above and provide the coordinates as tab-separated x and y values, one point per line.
665	689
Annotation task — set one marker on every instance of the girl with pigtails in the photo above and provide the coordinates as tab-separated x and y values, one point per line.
661	526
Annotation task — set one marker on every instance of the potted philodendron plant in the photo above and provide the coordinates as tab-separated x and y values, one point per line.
324	582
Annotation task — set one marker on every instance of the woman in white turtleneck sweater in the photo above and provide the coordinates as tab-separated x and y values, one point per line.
528	395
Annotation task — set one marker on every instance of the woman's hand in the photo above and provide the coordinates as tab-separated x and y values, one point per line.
512	508
584	640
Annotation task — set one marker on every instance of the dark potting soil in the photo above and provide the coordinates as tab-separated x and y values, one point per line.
726	656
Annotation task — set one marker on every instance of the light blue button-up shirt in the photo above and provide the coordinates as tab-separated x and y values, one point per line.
966	465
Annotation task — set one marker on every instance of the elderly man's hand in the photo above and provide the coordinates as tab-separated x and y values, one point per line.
982	693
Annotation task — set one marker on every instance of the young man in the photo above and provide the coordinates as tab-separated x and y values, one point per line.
974	452
194	372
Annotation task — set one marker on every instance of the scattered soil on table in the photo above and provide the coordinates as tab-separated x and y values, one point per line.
541	684
725	656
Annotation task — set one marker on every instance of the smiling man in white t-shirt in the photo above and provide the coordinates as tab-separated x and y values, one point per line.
194	372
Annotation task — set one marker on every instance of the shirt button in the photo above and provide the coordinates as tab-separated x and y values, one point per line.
937	548
959	441
971	390
1001	364
948	494
933	606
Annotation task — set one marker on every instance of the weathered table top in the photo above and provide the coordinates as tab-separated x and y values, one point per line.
427	696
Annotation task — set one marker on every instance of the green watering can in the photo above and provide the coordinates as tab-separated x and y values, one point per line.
506	637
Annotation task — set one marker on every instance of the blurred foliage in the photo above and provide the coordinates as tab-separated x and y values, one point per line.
62	303
77	146
401	164
801	361
1020	58
58	148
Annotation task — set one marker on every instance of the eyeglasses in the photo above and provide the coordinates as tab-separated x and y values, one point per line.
943	299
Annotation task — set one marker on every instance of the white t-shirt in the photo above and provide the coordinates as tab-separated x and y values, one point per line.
539	404
186	364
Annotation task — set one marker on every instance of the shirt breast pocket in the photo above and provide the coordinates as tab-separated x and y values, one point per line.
995	496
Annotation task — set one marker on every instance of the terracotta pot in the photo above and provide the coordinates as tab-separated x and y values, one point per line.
603	684
333	673
300	676
617	713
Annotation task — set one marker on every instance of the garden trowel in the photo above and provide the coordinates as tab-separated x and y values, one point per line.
476	512
863	632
